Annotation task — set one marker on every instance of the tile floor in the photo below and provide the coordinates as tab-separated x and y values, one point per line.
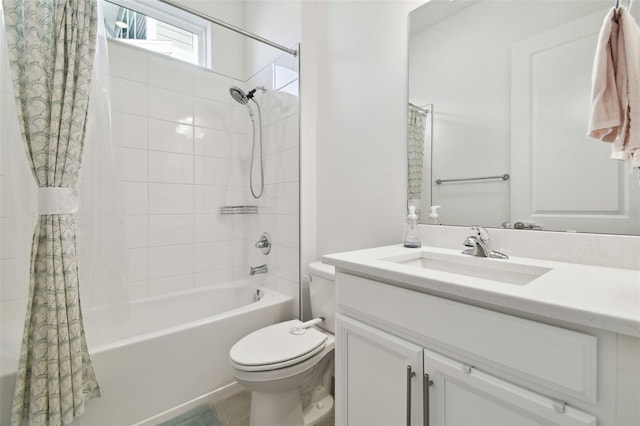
232	410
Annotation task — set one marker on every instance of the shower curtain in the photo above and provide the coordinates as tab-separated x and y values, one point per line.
51	54
415	149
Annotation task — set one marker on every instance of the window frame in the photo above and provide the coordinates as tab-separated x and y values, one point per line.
178	18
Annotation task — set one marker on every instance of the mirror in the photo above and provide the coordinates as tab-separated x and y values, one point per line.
499	103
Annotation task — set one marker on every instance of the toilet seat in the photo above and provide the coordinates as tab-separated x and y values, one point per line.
274	347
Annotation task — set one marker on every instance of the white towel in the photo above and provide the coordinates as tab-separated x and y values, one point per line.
615	111
627	147
605	122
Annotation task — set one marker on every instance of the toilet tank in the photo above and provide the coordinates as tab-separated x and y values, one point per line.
322	294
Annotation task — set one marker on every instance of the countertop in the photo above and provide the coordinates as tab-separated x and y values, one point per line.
600	297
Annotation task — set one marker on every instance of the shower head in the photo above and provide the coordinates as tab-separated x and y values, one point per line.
243	98
239	95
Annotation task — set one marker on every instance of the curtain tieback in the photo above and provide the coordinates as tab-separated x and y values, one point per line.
53	200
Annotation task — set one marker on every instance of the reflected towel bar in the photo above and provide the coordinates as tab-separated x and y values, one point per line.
503	177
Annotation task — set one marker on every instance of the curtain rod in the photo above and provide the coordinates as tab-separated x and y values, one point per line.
231	27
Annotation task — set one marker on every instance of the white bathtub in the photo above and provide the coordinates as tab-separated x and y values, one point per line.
157	354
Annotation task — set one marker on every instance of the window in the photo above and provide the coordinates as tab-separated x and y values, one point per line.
158	27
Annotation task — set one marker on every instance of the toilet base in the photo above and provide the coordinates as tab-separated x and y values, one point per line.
285	409
276	409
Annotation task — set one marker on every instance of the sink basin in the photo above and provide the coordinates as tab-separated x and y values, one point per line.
475	267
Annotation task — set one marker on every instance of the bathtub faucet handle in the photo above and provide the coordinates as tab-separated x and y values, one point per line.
264	243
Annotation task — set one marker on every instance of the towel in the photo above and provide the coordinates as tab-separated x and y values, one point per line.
615	106
605	122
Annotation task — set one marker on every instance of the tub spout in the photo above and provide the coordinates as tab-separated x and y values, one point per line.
262	269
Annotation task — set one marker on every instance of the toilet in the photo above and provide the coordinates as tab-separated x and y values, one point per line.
288	366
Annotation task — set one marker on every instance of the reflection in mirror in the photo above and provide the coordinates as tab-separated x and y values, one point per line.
502	90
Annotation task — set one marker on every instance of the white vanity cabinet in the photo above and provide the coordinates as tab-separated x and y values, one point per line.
484	367
460	394
381	376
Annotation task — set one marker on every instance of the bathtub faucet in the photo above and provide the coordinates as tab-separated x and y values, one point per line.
262	269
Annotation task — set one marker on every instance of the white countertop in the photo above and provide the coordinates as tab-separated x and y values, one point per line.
596	296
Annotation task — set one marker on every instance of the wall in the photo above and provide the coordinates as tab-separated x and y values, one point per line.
361	124
197	159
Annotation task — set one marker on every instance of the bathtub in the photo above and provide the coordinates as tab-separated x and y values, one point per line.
159	354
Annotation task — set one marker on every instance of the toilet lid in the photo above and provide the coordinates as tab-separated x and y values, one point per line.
275	347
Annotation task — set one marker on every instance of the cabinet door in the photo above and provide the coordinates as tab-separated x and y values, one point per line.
462	395
378	377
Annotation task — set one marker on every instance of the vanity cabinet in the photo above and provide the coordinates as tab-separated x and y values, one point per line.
381	374
401	352
459	394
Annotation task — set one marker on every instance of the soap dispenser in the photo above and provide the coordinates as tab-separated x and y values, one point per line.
434	219
411	238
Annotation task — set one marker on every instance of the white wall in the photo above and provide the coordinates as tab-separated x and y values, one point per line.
227	48
361	124
275	20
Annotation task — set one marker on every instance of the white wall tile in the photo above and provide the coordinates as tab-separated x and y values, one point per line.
170	167
128	96
132	164
167	230
213	86
134	197
210	256
171	106
138	290
128	130
168	198
212	114
209	198
218	276
127	61
212	143
13	287
171	284
170	137
170	74
287	198
168	261
213	227
241	119
287	231
212	171
136	231
241	146
137	264
287	262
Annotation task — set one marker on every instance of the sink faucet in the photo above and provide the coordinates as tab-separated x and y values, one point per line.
262	269
481	245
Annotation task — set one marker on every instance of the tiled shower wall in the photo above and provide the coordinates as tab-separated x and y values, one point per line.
182	149
184	146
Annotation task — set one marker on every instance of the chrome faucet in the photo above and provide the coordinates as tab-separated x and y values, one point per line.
481	245
262	269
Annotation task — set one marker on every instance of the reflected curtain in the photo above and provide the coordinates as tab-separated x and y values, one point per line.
51	51
415	149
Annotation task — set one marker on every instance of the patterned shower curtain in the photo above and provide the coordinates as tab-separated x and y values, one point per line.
415	149
51	52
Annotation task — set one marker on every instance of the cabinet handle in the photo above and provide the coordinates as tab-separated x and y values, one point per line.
410	375
425	395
